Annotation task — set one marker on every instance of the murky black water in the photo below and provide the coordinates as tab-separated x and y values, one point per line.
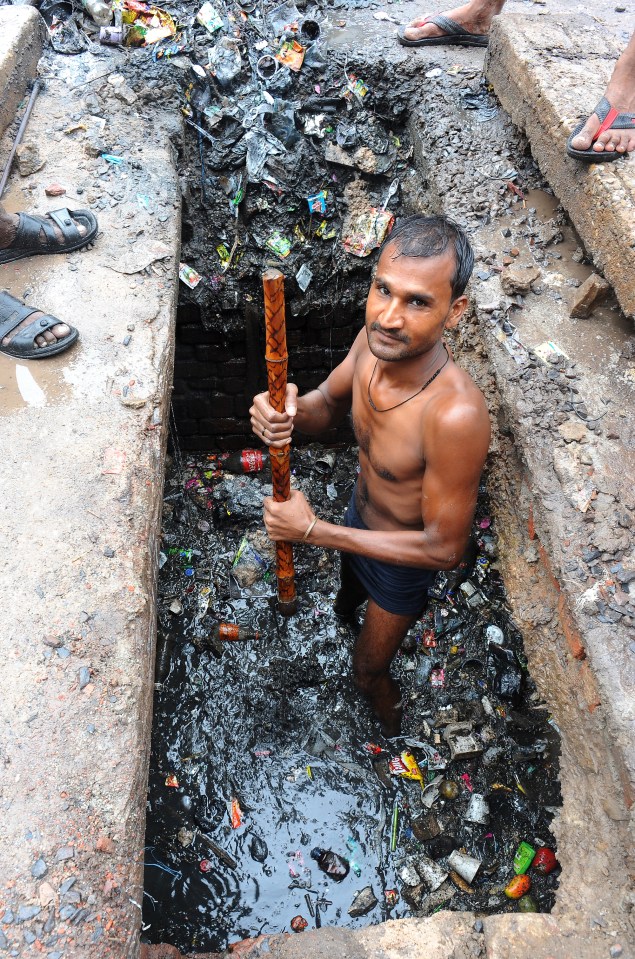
277	726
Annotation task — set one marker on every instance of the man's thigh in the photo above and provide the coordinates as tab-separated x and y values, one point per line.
381	636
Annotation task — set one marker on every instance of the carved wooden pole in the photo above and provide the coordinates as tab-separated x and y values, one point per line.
276	357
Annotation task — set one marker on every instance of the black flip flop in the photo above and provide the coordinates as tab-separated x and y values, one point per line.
27	238
22	346
609	119
456	35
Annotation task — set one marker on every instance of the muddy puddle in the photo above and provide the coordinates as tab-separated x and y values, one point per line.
263	750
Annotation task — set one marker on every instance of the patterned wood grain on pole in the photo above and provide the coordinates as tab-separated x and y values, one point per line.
276	357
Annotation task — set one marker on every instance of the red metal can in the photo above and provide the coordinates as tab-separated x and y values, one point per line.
544	861
299	924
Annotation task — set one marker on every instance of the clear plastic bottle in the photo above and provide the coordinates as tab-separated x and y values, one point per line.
329	862
99	10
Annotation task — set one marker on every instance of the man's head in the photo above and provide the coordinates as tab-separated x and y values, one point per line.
430	236
418	288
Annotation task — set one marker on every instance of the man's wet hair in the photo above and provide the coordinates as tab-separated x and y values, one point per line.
420	235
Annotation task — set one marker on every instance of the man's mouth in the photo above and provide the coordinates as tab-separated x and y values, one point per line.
396	338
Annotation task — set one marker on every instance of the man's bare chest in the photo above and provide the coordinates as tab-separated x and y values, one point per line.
391	442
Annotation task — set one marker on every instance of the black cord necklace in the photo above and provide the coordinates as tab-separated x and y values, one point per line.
425	385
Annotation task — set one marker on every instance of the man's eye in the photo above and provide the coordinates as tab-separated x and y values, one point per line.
417	302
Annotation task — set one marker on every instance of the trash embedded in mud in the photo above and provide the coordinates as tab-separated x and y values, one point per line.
277	758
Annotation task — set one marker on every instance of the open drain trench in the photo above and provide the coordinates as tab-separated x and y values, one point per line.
263	750
274	727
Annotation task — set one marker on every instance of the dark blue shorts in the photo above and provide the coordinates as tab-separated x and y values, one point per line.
397	589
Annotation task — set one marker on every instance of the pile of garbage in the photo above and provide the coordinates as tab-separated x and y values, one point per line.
275	802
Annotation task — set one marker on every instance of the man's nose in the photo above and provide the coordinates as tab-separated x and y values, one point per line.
391	315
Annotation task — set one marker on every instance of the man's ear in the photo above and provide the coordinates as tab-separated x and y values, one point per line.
456	311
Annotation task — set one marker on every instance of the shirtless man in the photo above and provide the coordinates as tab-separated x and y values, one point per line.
423	433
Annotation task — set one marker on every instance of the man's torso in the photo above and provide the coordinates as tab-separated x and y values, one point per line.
392	447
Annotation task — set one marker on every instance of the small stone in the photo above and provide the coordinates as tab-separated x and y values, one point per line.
620	10
94	146
4	942
514	251
84	677
64	853
39	869
616	950
518	278
29	159
46	894
28	912
588	296
573	431
126	93
109	552
364	901
55	189
478	926
105	844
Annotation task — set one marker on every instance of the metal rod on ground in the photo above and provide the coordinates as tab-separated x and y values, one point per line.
276	357
37	86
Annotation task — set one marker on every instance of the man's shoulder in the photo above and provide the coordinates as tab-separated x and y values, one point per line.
460	407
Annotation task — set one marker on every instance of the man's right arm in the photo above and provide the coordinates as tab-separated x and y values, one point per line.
315	412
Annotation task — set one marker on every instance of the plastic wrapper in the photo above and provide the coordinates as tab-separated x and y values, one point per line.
406	766
235	814
189	276
304	277
147	24
317	202
209	17
291	55
368	232
225	60
283	17
279	245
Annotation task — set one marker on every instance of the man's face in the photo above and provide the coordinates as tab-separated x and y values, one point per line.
410	304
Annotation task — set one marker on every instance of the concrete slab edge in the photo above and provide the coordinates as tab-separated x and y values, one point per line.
22	37
546	89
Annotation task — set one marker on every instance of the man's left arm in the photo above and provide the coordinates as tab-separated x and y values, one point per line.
455	452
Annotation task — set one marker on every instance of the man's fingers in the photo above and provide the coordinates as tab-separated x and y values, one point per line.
291	400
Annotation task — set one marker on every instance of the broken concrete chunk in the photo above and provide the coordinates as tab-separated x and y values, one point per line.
573	431
29	159
518	278
592	292
364	901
